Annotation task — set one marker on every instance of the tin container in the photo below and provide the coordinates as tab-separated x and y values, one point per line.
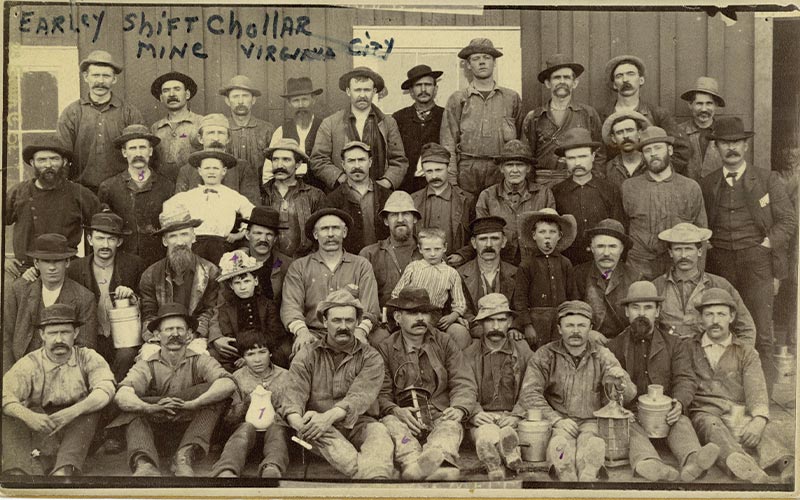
126	326
534	435
652	411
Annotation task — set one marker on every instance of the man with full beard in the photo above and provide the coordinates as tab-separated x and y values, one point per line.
656	201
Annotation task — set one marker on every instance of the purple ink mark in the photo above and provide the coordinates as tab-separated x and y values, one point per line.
141	175
405	440
235	258
561	455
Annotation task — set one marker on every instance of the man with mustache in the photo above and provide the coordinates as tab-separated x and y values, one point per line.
48	203
622	131
360	122
419	123
138	193
651	355
89	125
704	99
177	130
478	120
172	391
544	128
657	200
53	395
729	374
262	231
753	222
587	196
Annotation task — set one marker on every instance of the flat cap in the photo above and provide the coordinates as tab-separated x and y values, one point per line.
339	298
570	307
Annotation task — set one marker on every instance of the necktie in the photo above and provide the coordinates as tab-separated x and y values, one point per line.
210	190
730	177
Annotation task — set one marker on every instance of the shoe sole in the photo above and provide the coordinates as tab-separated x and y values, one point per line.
653	470
745	468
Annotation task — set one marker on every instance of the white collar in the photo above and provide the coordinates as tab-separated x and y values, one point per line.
706	341
739	173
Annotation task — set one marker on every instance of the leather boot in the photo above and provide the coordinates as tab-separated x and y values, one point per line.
699	462
182	465
428	462
509	448
745	467
590	458
561	454
656	470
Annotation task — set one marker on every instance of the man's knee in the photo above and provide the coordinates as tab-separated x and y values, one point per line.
486	433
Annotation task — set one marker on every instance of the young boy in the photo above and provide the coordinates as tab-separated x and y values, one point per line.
544	280
442	282
257	370
245	309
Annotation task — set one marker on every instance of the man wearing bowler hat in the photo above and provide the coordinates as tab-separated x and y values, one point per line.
621	133
364	122
177	130
420	123
88	125
261	235
544	127
479	120
703	99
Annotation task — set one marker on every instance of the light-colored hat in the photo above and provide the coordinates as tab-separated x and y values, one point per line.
626	58
339	298
642	291
217	119
479	46
652	135
286	144
685	232
240	82
716	297
356	144
173	217
567	223
101	58
706	85
235	263
491	304
399	201
196	159
639	118
569	307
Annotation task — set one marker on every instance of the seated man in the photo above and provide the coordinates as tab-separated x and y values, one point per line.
52	398
730	378
566	379
173	392
327	394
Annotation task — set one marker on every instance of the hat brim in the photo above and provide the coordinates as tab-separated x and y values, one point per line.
688	96
186	80
312	221
252	222
480	317
414	211
629	300
560	150
55	321
321	312
704	235
701	305
397	305
410	81
120	141
652	140
626	240
530	160
641	120
293	150
178	226
86	63
29	151
567	223
156	322
377	79
469	50
224	90
616	61
227	276
301	92
196	158
544	75
109	230
52	255
746	134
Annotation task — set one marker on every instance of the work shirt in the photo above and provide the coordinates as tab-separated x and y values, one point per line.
498	384
366	204
543	280
154	376
542	134
437	213
217	206
177	139
616	173
714	349
295	208
388	262
250	142
442	282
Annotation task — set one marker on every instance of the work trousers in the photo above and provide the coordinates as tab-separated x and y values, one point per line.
577	448
487	440
446	435
681	440
244	438
120	360
363	452
477	174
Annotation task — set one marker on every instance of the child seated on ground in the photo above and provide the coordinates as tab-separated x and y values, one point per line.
442	282
257	370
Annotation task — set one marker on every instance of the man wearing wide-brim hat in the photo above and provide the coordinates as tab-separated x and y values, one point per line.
622	132
656	201
87	126
360	121
420	355
24	299
703	99
545	126
177	130
475	138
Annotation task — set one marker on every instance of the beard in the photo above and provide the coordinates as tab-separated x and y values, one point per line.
180	259
641	328
49	176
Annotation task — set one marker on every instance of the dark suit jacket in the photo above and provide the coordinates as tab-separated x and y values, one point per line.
354	241
609	316
462	211
268	315
471	281
128	268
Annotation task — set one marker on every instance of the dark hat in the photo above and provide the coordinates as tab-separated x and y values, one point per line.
610	227
264	216
730	128
642	291
361	71
240	82
322	212
705	85
515	150
619	116
196	158
356	144
186	80
570	307
171	310
108	222
555	63
490	224
59	314
300	86
567	223
339	298
418	72
103	58
412	299
136	131
574	138
51	246
174	217
479	46
286	144
652	135
50	142
627	58
716	297
434	152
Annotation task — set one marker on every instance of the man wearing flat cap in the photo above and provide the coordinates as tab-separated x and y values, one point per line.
420	123
329	393
138	193
88	125
177	130
656	201
363	122
48	203
703	98
52	398
544	127
479	120
621	133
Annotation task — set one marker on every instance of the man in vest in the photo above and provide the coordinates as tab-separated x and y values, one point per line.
704	99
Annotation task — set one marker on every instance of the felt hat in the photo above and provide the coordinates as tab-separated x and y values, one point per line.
103	58
685	232
399	201
315	216
49	142
434	152
515	150
412	299
196	158
577	137
483	225
613	118
286	144
339	298
356	144
567	223
361	71
491	304
555	63
300	86
706	85
51	246
626	58
216	119
136	131
653	134
58	314
716	297
107	222
174	217
479	46
641	291
265	217
186	80
418	72
730	128
570	307
240	82
610	227
171	310
235	263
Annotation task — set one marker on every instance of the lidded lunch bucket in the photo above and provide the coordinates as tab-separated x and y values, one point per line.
652	411
534	435
126	326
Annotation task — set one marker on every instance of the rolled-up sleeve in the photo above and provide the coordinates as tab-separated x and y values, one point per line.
98	372
138	378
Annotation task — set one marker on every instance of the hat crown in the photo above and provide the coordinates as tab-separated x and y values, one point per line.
297	85
173	213
414	296
108	220
264	216
706	83
136	129
488	304
490	224
610	224
240	81
101	57
399	201
575	136
356	144
237	262
641	290
217	119
556	60
481	43
515	147
728	126
58	314
570	307
652	133
685	232
716	296
420	69
433	151
342	297
51	242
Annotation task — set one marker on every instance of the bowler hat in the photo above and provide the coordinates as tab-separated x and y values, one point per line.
618	116
412	299
235	263
300	86
361	72
58	314
50	142
196	158
641	291
716	297
286	144
339	298
566	222
135	131
491	304
706	85
434	152
569	307
490	224
515	150
174	217
171	310
101	58
610	227
108	222
730	128
265	217
555	63
399	201
479	46
653	134
51	246
685	232
240	82
186	80
626	58
356	144
574	138
418	72
322	212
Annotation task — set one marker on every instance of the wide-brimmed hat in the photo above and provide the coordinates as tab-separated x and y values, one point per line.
196	158
240	82
418	72
555	63
287	144
641	291
364	72
107	222
528	220
315	216
491	304
49	142
171	310
300	86
625	58
619	116
515	150
135	131
652	135
434	152
412	299
339	298
706	85
103	58
186	80
399	201
569	307
51	246
479	46
610	227
235	263
730	128
483	225
685	232
264	216
58	314
577	137
174	217
716	297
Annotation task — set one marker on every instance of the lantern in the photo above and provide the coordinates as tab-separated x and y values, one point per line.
418	400
613	423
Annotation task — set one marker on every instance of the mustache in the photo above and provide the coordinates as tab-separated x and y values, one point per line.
342	330
492	333
488	250
100	86
60	344
731	154
626	86
279	170
357	171
140	158
419	323
173	99
684	261
216	144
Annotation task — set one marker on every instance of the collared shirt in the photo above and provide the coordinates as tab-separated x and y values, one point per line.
388	262
441	281
437	212
730	180
242	178
155	376
250	142
300	201
685	286
217	206
497	389
416	370
176	142
616	173
714	349
638	354
36	382
541	132
367	204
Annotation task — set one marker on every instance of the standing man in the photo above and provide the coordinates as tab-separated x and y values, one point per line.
360	122
178	129
479	120
544	127
89	125
704	99
261	234
421	123
753	221
656	201
621	133
138	193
